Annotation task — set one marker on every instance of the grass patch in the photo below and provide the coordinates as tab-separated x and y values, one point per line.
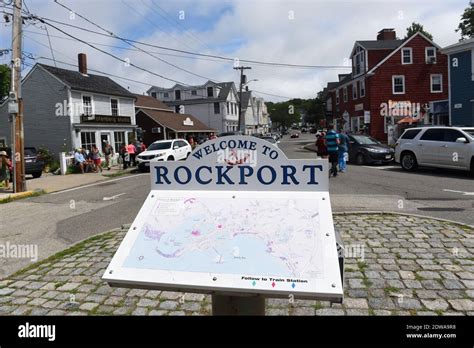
367	282
116	174
418	277
398	256
318	305
69	251
439	311
371	311
391	289
362	266
348	269
59	284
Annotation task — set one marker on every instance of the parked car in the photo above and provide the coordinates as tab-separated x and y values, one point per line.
34	164
366	150
440	147
164	150
271	140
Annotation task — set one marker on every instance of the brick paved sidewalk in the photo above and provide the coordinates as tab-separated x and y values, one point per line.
412	266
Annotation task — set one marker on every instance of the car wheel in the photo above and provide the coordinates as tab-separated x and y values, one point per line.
170	158
408	161
37	174
360	159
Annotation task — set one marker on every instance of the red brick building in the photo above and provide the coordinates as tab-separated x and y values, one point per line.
391	80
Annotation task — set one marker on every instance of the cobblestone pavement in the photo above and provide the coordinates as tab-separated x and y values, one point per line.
411	266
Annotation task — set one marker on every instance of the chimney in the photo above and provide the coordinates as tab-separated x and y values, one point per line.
82	63
387	34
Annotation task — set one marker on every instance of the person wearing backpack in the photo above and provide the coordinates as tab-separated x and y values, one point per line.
332	141
343	152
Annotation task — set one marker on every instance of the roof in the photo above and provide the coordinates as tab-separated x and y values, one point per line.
90	83
246	95
147	102
174	121
459	46
380	44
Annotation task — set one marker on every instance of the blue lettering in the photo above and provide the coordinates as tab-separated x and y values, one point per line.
231	144
244	175
214	149
160	174
265	149
253	145
243	144
198	175
312	173
188	173
260	177
289	172
221	145
207	149
221	174
198	154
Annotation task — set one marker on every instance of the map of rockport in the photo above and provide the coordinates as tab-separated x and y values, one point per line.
245	236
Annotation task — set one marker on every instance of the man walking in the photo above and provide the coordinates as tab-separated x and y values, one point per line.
332	145
108	152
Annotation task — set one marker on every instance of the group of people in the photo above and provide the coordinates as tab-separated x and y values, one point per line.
128	153
334	146
88	160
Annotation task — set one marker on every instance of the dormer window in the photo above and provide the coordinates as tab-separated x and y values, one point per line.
407	55
193	92
177	94
358	61
87	105
153	94
165	95
210	91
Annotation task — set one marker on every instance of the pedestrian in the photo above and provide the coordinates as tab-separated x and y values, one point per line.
108	152
132	153
143	147
332	145
124	155
138	147
321	148
95	155
191	142
80	160
343	151
5	169
211	136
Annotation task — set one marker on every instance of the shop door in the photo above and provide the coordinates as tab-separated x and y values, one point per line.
104	138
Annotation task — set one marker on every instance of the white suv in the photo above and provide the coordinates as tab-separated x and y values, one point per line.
436	146
164	150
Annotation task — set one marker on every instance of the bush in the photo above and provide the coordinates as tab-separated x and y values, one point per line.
46	155
54	166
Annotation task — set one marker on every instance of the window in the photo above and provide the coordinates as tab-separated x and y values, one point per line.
451	135
153	94
177	94
344	94
407	57
337	97
398	84
86	105
433	135
193	92
227	108
210	91
362	88
114	107
358	61
430	55
436	83
87	140
354	90
217	108
119	138
181	143
166	95
410	134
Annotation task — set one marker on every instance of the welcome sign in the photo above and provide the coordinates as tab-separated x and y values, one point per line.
236	217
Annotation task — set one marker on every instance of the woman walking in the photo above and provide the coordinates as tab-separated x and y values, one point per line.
96	158
5	167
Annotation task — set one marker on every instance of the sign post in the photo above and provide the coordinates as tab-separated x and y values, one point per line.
237	220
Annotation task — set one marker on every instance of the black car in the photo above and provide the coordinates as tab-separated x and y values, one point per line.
366	150
34	165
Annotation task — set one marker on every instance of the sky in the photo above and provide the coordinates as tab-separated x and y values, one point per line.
304	32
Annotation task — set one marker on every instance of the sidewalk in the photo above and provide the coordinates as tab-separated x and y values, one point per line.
52	183
409	265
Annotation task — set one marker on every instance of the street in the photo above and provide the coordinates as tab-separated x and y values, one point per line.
55	221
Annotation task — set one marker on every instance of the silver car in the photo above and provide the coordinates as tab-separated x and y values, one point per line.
441	147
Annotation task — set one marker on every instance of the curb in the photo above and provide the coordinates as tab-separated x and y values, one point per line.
21	195
381	212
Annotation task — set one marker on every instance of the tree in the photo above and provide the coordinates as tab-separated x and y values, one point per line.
417	27
466	27
283	114
5	78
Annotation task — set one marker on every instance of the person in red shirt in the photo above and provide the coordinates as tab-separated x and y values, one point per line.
132	151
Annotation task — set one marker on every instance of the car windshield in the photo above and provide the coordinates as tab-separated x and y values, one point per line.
269	139
160	146
469	131
365	140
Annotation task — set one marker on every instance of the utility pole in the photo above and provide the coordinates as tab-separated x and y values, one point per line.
242	77
18	160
